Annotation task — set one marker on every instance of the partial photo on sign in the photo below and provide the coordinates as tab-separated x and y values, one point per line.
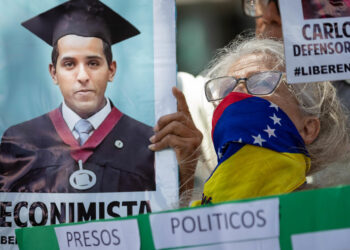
82	82
316	37
313	9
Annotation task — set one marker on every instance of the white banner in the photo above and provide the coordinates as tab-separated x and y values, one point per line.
337	239
317	40
123	234
256	220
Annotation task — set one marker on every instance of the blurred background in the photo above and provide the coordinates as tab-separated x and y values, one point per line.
203	26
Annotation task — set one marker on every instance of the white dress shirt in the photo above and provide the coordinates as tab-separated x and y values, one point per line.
71	118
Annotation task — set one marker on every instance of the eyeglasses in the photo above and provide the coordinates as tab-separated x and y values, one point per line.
255	8
262	83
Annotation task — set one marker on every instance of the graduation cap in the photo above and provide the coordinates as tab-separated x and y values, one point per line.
88	18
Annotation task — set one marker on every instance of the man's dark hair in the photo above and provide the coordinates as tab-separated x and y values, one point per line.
107	51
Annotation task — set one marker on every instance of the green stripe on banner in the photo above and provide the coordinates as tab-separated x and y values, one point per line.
299	212
145	232
37	238
311	211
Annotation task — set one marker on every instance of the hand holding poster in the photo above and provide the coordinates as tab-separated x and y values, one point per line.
317	39
87	158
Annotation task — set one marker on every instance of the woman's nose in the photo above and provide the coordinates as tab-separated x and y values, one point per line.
241	87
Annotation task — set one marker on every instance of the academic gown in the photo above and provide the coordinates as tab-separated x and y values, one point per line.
40	155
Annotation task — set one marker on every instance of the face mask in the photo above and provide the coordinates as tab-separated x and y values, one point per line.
260	152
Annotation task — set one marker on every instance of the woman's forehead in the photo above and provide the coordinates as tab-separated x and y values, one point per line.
250	64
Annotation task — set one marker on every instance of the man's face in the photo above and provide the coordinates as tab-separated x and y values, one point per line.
82	73
269	25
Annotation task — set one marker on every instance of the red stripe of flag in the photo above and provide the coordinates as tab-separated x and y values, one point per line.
227	101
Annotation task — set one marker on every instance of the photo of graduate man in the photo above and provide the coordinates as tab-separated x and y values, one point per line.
86	144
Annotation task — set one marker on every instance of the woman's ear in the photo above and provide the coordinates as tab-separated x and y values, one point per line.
52	70
311	129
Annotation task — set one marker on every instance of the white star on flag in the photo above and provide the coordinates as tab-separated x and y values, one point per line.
275	119
272	105
240	140
220	154
270	131
258	140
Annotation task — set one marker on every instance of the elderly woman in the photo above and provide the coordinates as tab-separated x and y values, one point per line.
268	135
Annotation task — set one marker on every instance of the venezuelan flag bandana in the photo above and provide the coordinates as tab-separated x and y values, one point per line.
260	152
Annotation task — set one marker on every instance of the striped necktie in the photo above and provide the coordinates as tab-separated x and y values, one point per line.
83	128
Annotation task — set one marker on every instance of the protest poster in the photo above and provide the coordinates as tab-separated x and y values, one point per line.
314	219
317	39
141	90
